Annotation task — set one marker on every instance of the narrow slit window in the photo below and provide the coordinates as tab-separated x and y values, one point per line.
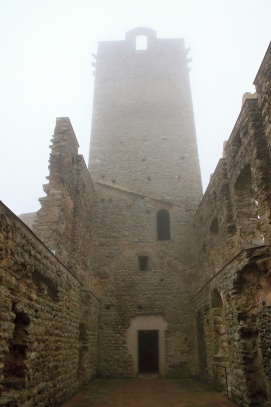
143	263
163	225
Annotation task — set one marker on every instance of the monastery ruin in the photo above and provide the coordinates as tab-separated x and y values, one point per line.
128	268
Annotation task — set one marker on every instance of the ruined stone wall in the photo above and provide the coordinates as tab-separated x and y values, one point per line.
232	307
263	88
249	170
64	222
235	211
215	226
49	335
233	334
126	225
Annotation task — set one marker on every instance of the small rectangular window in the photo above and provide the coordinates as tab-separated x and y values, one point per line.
141	43
143	263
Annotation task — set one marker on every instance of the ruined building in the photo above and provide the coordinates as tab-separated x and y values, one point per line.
129	269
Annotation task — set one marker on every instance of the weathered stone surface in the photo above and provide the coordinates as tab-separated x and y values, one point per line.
233	234
29	218
127	292
43	307
64	222
241	287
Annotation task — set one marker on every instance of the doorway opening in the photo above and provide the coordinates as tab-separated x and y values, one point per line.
148	351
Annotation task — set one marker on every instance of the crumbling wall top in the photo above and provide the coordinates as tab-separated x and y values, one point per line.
263	65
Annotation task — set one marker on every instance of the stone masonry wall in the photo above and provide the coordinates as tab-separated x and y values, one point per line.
249	171
49	325
215	226
263	87
126	228
235	211
64	222
237	343
232	306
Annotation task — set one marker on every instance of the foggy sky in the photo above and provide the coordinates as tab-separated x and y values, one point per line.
46	72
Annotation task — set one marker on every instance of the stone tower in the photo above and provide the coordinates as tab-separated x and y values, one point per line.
143	132
144	165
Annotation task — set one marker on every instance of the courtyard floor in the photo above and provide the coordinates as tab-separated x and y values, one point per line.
147	392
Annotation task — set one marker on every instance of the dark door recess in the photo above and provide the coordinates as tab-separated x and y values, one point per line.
148	353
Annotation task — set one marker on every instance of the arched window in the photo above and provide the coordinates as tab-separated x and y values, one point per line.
214	228
246	208
15	368
219	334
163	225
